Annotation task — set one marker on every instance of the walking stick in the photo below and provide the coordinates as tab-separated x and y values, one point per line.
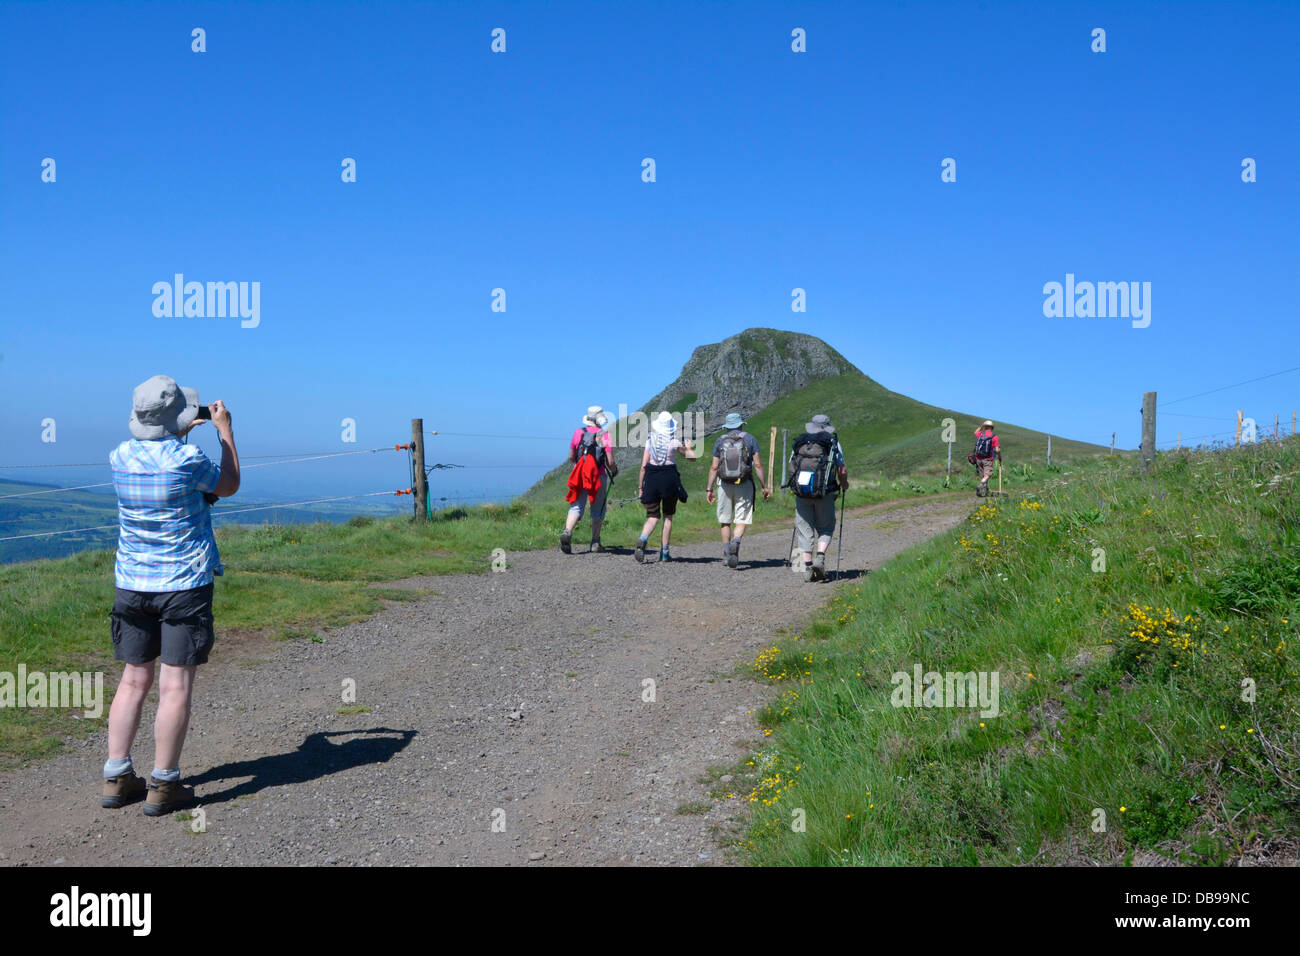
999	477
839	548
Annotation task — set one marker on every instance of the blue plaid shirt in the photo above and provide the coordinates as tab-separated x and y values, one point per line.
164	539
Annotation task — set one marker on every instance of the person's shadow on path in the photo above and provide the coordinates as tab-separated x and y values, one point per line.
315	757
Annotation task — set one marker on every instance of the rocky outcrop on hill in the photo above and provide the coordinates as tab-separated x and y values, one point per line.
748	372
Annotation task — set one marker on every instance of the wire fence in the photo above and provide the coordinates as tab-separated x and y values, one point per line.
266	461
289	458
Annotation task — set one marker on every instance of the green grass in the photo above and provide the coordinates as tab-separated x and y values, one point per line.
888	439
1121	689
295	581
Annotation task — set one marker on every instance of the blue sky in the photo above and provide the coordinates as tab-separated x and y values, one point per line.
522	170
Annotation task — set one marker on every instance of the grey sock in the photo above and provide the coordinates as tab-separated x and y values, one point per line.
116	768
167	776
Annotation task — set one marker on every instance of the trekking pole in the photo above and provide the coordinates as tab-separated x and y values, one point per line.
999	477
839	548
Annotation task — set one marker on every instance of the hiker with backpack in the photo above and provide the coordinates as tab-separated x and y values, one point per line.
660	484
986	450
817	476
736	461
594	468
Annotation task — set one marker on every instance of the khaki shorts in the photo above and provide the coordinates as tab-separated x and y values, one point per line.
985	468
735	502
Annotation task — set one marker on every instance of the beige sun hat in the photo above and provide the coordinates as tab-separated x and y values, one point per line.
987	424
594	415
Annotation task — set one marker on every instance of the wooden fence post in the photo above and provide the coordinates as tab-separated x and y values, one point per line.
1148	429
771	458
421	478
1239	428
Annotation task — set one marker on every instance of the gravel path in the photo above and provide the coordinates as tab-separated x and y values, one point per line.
511	698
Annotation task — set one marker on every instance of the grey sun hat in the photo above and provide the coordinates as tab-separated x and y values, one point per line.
733	421
160	407
819	423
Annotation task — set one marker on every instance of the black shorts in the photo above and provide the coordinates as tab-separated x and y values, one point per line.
669	508
662	484
174	624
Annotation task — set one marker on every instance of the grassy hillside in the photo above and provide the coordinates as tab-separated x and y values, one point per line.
886	437
1125	731
893	435
48	512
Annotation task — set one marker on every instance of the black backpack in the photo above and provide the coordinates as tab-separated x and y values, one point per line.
984	445
809	474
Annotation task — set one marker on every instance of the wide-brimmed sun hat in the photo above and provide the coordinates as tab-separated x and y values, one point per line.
160	407
819	423
987	424
593	416
733	421
664	424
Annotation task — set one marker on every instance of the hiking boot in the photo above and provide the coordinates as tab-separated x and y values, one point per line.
819	566
121	790
639	553
733	554
565	542
597	547
166	796
664	555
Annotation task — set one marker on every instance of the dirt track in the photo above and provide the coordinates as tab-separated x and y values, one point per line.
514	696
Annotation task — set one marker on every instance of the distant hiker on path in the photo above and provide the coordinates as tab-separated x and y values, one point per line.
817	476
592	453
660	484
986	450
165	563
736	460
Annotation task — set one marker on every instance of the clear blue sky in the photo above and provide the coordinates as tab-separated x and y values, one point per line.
522	170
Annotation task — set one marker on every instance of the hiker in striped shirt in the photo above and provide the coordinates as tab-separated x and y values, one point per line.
166	560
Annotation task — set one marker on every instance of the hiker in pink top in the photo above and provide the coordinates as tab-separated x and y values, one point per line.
592	452
986	451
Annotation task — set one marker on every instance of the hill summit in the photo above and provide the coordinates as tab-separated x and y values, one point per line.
747	372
